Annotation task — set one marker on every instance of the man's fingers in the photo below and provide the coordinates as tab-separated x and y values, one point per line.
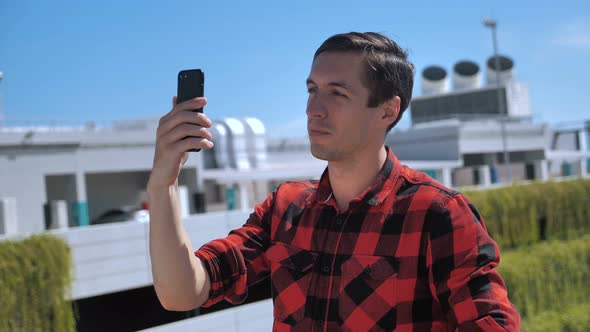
190	143
187	130
174	120
189	105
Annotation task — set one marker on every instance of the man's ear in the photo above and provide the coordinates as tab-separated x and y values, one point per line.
390	111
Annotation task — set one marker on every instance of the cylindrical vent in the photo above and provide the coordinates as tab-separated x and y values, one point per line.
255	141
219	157
238	145
434	81
466	75
505	70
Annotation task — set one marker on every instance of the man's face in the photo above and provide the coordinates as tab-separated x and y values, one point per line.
339	123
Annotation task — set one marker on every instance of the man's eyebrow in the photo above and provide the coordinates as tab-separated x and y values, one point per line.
336	84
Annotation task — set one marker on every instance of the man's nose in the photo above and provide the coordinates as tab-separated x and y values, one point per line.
315	107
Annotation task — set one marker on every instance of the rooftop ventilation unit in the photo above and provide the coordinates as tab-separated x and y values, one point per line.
466	76
434	81
255	141
238	149
219	156
505	70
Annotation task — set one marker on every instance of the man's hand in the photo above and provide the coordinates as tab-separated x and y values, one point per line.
178	132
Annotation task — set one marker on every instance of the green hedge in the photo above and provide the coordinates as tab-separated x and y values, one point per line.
35	279
525	214
548	275
570	214
573	319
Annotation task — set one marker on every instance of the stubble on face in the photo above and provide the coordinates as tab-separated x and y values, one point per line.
339	115
327	153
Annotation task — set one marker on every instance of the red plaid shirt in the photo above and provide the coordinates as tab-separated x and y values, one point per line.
407	255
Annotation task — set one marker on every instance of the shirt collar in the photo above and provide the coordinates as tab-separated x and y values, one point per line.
376	193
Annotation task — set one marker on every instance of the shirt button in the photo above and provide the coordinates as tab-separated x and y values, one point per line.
326	268
339	220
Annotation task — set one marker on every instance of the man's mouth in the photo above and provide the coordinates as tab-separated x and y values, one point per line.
317	131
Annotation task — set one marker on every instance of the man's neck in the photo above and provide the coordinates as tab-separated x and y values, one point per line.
350	178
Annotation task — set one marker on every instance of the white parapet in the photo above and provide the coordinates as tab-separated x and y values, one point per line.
8	219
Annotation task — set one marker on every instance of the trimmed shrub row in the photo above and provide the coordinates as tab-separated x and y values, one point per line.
526	214
35	280
547	275
572	319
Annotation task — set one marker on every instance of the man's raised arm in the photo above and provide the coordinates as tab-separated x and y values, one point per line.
180	279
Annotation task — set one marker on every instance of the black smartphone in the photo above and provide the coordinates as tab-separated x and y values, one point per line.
191	84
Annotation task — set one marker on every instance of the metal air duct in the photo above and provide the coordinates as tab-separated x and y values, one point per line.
434	81
466	76
219	157
506	70
238	149
255	141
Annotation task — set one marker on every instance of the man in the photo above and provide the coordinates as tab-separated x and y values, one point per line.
372	246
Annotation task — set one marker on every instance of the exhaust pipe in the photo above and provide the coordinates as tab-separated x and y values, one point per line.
505	70
434	81
466	75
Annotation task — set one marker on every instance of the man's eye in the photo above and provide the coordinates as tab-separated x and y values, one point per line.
311	90
338	94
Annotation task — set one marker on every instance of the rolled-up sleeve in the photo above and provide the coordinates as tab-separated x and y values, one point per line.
462	260
238	261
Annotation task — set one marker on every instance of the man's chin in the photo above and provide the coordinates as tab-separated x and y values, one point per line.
319	152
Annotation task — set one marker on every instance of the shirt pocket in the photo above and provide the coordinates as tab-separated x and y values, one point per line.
291	274
367	293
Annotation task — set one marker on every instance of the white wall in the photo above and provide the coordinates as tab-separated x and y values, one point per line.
29	192
486	137
430	143
115	257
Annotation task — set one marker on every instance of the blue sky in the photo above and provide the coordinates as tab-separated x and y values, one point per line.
69	62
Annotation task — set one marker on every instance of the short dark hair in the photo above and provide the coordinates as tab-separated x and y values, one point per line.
388	73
